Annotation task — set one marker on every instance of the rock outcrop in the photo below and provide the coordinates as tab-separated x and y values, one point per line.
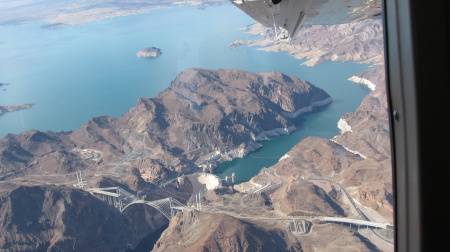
149	52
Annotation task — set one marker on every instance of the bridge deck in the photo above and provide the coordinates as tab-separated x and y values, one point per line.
105	193
357	222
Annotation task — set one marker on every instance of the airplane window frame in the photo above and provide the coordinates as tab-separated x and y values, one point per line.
416	36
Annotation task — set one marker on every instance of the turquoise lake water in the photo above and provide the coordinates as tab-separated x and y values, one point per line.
88	70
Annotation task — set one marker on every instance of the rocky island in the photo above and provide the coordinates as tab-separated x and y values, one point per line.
149	52
10	108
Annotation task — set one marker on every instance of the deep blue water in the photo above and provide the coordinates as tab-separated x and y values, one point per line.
88	70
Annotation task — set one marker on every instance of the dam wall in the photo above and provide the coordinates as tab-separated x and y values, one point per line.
204	181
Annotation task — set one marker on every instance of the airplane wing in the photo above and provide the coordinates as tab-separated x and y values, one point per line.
287	16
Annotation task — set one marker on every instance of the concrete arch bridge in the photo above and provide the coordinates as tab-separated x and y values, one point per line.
122	199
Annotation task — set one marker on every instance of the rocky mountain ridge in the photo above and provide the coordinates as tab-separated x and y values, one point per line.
250	107
202	111
58	218
358	41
